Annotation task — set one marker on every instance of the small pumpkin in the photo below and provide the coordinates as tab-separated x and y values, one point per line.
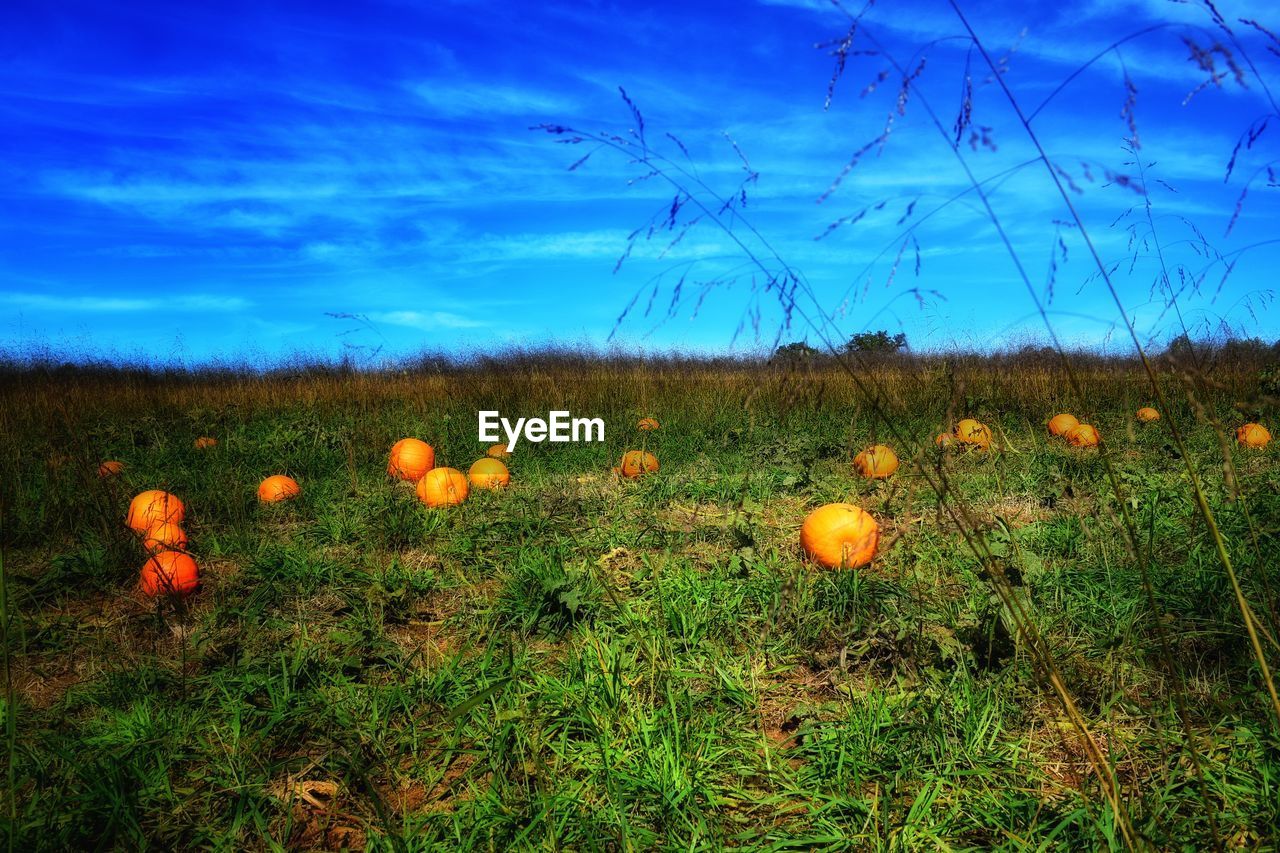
840	536
945	441
877	462
443	487
636	463
1253	435
154	507
411	459
1062	424
1147	414
974	433
169	573
488	473
647	424
278	488
498	451
110	468
165	537
204	442
1083	435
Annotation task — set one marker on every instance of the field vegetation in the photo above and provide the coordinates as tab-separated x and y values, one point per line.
585	662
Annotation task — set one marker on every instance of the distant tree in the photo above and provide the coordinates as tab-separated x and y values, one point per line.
876	342
797	351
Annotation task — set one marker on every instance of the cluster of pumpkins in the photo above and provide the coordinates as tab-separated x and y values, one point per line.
415	461
845	536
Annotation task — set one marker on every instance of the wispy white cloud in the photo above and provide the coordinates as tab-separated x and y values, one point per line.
123	305
426	320
453	98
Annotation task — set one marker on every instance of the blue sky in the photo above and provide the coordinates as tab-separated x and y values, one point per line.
197	181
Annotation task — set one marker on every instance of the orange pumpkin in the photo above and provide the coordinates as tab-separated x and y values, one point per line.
443	487
165	537
411	459
110	468
488	474
840	536
1083	435
278	488
636	463
974	433
498	451
944	441
204	442
1147	414
1062	424
877	462
170	573
1253	435
154	507
647	424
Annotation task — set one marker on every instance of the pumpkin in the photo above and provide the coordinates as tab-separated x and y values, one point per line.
165	537
170	573
1083	435
973	432
1060	425
840	536
278	488
498	451
944	441
110	468
637	462
647	424
488	474
1253	435
443	487
154	507
877	462
1147	414
411	459
204	442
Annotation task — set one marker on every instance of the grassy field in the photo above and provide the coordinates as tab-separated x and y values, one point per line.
583	662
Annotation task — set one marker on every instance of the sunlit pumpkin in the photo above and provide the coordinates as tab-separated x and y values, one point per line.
1147	414
278	488
1253	435
647	424
877	462
974	433
165	537
1083	435
204	442
1062	424
110	468
411	459
637	462
443	487
944	441
488	474
154	507
498	451
840	536
169	573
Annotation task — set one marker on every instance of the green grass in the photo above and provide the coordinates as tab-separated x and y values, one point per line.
586	663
